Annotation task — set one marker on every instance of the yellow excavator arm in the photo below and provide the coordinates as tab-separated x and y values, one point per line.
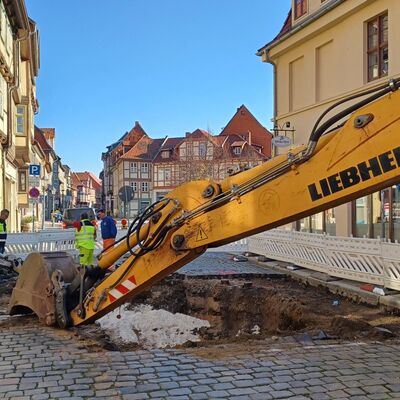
357	158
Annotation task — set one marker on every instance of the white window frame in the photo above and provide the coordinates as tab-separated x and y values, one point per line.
133	167
145	168
20	119
144	186
237	150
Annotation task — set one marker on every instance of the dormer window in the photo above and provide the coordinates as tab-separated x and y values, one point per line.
237	150
165	154
300	8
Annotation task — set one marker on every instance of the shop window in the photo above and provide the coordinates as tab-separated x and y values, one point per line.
396	212
372	215
380	206
330	222
362	217
305	224
317	223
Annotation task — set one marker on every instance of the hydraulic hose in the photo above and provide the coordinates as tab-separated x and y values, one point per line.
316	133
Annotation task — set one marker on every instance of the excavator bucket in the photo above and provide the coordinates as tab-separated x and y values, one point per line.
36	287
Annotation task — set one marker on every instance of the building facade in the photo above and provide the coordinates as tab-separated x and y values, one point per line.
326	51
19	66
150	168
109	195
88	189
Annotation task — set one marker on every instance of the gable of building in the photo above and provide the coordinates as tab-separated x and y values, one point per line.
244	124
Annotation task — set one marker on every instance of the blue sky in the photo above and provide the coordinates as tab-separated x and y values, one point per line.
172	65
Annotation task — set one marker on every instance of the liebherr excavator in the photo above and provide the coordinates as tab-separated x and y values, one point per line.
341	162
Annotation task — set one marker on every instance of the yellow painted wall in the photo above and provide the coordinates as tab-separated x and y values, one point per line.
326	61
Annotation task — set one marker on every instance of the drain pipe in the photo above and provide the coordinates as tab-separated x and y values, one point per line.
267	59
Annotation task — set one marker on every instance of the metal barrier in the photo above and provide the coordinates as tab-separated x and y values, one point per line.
365	260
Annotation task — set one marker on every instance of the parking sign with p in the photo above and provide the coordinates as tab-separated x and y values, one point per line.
34	170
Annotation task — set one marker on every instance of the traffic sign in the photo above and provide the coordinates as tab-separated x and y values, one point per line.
126	194
34	169
34	181
33	200
34	193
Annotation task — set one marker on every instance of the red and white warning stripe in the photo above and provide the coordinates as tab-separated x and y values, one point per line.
122	288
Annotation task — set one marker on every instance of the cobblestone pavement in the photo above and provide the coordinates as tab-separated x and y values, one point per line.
44	363
215	263
38	362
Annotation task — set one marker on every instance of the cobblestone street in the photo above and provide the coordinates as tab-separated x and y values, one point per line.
44	363
38	362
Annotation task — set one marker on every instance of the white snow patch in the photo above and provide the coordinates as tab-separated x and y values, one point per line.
151	328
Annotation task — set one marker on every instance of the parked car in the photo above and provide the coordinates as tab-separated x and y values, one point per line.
72	215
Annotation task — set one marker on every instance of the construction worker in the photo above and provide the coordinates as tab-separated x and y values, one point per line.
85	237
3	229
108	229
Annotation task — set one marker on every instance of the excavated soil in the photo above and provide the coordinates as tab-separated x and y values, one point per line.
244	310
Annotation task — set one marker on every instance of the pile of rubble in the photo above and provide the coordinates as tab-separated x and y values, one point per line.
8	274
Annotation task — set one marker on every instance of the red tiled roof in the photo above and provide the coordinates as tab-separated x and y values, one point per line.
139	149
238	143
50	133
75	180
86	176
145	149
40	138
169	144
244	123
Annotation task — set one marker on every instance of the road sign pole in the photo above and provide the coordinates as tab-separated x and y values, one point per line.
43	206
126	201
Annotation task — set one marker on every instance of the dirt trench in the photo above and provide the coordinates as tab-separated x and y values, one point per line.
244	307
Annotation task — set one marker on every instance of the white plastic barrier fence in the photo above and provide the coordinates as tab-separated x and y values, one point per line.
21	244
365	260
